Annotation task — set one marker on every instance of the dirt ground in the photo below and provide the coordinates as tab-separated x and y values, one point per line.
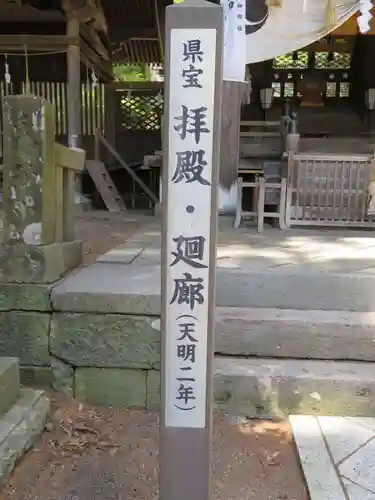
91	453
101	231
104	454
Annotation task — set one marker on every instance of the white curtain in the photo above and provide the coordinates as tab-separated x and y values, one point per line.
295	24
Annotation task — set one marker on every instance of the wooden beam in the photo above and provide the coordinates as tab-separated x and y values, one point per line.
28	14
119	35
37	43
70	158
93	39
86	11
92	59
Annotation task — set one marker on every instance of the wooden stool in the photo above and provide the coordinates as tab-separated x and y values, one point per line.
261	185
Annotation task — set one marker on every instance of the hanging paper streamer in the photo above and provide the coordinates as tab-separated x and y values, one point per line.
234	40
94	79
7	76
365	16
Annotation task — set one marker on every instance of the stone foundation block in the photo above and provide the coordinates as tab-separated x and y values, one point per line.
63	376
111	387
40	264
25	297
36	376
108	341
24	335
153	390
9	384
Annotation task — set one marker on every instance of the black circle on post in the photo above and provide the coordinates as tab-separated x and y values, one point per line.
190	209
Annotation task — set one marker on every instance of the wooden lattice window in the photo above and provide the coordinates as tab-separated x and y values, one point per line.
344	89
332	60
331	89
337	89
141	112
276	89
297	60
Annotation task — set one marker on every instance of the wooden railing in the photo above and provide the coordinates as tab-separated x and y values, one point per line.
68	163
328	190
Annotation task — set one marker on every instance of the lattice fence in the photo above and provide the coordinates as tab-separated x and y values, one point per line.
140	110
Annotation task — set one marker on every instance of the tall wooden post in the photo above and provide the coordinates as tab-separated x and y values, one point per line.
74	93
234	90
193	85
74	85
233	94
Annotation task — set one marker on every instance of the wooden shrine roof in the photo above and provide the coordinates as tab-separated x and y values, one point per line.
134	27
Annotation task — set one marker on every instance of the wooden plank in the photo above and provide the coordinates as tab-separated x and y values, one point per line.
105	186
259	134
28	14
255	123
70	158
115	154
332	157
69	184
59	205
93	39
38	42
91	58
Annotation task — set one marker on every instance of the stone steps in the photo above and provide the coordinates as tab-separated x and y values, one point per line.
23	413
269	388
9	383
290	333
20	427
135	289
301	289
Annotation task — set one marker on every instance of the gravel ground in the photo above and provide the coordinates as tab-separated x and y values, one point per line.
103	454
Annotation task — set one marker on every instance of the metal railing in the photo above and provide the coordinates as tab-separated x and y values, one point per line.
328	190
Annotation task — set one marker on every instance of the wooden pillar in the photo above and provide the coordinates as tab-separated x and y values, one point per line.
110	118
233	94
194	39
74	86
74	94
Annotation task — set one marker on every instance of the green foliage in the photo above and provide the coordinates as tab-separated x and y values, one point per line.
132	72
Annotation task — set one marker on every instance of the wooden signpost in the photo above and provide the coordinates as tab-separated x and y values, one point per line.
193	83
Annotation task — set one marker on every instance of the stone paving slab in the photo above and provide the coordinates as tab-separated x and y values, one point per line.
119	288
110	288
286	333
321	270
276	388
337	455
